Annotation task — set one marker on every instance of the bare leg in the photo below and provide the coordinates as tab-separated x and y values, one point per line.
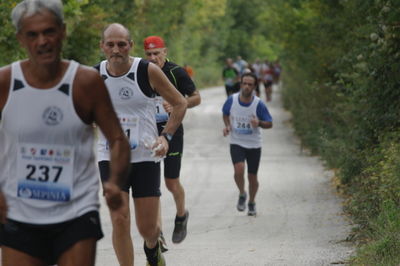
147	220
81	253
121	233
159	217
11	257
239	176
161	238
175	187
253	187
268	93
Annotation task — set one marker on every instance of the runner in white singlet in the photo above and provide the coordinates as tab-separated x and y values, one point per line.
48	178
244	114
133	83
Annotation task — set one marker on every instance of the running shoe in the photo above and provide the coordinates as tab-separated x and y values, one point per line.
241	205
180	229
160	259
252	209
162	243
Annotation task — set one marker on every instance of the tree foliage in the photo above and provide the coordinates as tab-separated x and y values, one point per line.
201	33
9	48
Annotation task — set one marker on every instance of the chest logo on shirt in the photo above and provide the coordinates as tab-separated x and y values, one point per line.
125	93
52	116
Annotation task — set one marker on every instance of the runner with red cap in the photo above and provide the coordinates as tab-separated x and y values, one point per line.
156	52
153	42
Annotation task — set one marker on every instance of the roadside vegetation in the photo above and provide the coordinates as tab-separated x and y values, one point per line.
342	85
341	66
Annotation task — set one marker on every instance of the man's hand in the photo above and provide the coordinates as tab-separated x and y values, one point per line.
3	208
113	195
226	131
168	108
254	122
160	147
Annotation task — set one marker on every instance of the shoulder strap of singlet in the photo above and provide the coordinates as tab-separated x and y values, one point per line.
143	79
68	79
17	79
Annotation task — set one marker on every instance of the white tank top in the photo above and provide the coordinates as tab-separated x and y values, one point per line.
135	110
47	163
243	134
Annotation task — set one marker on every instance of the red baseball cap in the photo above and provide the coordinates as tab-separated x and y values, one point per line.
152	42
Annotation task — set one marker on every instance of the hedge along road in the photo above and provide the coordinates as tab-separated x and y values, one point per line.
299	219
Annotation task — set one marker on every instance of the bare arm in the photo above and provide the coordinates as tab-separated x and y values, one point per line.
5	80
5	77
255	122
227	128
3	208
165	88
193	99
265	124
95	105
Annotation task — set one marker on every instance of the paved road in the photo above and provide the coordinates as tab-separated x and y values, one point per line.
298	221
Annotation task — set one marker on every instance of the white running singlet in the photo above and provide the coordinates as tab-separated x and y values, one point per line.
47	163
243	134
136	113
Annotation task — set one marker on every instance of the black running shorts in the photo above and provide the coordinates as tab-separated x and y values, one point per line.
143	178
48	242
172	163
251	156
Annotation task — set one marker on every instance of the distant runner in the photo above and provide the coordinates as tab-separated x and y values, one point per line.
231	77
244	114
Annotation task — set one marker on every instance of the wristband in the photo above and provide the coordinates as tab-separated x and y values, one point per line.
167	136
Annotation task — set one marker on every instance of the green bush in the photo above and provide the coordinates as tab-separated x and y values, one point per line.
342	85
384	231
380	181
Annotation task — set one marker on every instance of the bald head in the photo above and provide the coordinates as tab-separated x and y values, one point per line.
115	29
116	45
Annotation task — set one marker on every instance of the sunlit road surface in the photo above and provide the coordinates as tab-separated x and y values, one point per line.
299	219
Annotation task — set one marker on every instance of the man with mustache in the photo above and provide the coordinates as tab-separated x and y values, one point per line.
49	186
133	84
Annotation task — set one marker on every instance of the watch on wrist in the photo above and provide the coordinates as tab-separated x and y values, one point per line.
167	136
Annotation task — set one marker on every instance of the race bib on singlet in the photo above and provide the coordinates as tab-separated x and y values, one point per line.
130	125
161	114
45	172
242	125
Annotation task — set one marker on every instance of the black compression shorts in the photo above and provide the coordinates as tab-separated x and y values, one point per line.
251	156
143	178
172	163
49	242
